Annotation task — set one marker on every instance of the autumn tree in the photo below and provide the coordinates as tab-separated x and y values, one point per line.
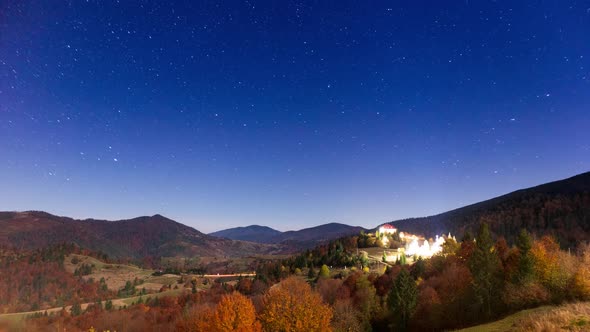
581	283
551	266
450	247
346	318
402	299
198	318
293	306
324	271
235	312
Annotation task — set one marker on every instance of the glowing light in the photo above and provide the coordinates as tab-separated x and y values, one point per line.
425	250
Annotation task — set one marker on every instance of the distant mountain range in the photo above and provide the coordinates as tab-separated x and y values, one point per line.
156	236
561	208
253	233
134	238
303	238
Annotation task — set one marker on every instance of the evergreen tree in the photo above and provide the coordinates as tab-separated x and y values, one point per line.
485	267
402	300
418	268
524	244
76	309
108	305
194	286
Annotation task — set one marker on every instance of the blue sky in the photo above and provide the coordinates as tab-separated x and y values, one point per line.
287	114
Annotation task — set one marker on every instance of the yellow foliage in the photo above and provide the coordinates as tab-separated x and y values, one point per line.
293	306
545	253
582	282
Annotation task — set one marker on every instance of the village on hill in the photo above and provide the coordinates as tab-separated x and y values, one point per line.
401	247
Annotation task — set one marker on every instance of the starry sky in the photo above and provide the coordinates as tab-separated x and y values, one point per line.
287	113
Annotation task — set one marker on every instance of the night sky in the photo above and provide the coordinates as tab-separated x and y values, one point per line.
287	114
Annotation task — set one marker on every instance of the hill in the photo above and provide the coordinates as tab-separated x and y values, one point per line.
141	237
561	208
253	233
304	238
319	233
566	317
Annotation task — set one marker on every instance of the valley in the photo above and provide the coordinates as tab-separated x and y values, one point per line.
355	274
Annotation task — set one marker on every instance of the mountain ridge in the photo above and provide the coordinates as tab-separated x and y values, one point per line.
560	208
306	236
137	237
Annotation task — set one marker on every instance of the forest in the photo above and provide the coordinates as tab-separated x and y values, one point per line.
331	288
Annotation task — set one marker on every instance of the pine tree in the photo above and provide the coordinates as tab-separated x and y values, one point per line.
524	244
76	309
402	259
108	305
485	265
402	300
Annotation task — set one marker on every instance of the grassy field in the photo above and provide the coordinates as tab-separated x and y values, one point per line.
115	275
568	317
130	300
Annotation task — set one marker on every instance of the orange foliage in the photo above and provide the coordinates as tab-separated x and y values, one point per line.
235	312
293	306
199	318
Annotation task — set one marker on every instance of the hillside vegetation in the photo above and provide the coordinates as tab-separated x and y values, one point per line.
560	208
569	317
139	238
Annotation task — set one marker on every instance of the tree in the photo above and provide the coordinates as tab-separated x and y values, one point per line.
199	318
551	266
418	269
76	309
293	306
402	299
324	271
525	270
346	318
402	259
108	305
484	265
235	312
450	247
581	282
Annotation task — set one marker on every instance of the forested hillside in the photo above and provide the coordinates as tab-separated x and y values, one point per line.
560	208
138	238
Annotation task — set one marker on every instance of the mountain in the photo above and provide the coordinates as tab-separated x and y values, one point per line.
560	208
136	238
304	238
253	233
319	233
